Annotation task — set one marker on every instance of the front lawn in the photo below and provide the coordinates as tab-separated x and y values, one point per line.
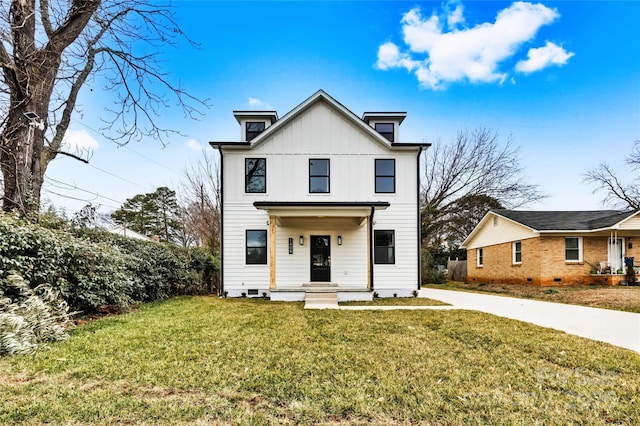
203	360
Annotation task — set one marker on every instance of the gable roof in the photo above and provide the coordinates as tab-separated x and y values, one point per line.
540	222
566	220
318	96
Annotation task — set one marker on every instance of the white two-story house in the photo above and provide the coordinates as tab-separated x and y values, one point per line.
320	200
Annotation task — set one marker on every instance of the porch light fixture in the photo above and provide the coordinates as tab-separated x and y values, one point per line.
301	240
339	240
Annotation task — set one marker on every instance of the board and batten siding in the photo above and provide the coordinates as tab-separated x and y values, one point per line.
498	231
321	132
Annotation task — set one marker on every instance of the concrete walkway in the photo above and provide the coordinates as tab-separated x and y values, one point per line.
615	327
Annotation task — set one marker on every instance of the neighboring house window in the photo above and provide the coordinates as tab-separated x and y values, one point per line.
573	249
385	176
254	128
256	242
255	178
480	256
517	252
319	175
385	250
386	130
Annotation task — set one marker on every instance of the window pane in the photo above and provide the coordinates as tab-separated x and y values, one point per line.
256	238
318	184
571	243
385	129
256	247
384	250
319	167
385	167
254	129
255	175
256	256
385	184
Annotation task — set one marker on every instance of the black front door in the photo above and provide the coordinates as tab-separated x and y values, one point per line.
320	258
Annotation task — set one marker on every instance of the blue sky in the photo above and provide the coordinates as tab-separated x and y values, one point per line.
561	78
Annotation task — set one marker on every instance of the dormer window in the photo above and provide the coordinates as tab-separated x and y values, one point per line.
254	128
386	130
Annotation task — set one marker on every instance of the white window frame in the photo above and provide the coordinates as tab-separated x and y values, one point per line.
480	257
579	259
514	252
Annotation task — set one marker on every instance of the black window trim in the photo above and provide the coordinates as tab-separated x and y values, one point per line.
393	240
384	176
393	131
246	176
254	133
246	245
328	175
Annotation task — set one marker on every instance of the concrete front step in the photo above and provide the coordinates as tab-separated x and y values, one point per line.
323	300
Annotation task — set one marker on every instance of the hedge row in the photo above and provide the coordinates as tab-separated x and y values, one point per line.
90	270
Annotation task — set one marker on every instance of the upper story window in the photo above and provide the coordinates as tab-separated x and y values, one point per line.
386	130
573	249
256	243
254	128
480	255
517	252
385	175
385	247
319	175
255	175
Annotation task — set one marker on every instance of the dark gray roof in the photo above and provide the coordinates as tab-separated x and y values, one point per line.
566	220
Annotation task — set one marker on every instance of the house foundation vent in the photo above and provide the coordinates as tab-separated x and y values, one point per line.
557	280
252	292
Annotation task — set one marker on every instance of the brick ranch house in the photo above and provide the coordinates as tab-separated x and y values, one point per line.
553	247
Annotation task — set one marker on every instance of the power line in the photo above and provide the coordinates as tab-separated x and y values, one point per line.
154	161
134	151
116	176
76	187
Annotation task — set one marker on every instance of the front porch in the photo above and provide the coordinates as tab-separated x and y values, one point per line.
320	248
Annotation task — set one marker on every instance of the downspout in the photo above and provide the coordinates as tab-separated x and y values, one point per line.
419	215
221	221
371	246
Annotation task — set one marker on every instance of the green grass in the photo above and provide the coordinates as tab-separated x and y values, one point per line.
396	301
202	360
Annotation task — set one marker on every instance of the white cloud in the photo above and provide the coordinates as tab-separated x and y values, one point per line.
257	103
438	57
194	145
79	140
542	57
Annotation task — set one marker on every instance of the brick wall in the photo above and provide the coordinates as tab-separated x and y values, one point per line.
498	266
543	263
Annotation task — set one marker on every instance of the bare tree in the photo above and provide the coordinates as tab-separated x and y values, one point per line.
49	50
618	193
201	202
467	177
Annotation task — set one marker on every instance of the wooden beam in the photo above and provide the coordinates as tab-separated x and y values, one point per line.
272	251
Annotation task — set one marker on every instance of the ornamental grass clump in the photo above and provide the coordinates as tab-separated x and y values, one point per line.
29	317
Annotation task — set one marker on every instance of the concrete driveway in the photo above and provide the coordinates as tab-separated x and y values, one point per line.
615	327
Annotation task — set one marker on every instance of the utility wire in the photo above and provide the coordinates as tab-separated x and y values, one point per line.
134	151
118	177
76	187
